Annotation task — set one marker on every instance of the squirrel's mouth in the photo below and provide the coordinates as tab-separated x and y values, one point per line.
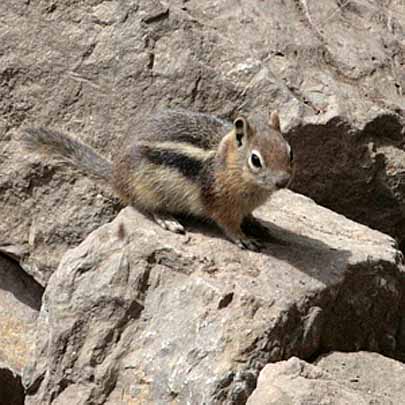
267	186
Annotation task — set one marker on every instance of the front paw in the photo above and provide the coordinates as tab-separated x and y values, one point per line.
254	227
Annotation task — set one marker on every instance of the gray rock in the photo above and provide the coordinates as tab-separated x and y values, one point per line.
368	373
20	301
295	382
336	379
335	72
139	315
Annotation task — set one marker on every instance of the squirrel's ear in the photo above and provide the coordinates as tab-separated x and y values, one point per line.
275	121
241	129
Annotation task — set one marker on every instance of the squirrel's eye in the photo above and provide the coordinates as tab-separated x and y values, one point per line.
256	162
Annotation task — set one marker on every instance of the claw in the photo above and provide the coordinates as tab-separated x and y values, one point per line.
250	244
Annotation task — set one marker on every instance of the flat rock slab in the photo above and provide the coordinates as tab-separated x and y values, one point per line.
137	315
360	378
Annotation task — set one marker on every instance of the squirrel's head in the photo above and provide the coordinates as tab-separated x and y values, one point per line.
265	155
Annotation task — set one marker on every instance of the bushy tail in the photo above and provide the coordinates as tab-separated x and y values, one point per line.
82	156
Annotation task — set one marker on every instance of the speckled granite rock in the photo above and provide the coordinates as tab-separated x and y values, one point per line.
337	378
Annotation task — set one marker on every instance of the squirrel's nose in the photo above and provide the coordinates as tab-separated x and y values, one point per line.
283	180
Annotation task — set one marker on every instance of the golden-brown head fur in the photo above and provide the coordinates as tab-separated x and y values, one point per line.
257	149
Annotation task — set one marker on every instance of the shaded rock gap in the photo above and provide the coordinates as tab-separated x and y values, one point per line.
11	387
23	286
353	178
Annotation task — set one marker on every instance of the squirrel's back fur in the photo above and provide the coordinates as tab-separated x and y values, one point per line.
201	130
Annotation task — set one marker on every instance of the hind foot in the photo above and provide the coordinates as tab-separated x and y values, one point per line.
169	223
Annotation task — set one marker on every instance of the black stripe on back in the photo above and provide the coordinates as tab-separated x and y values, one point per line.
188	166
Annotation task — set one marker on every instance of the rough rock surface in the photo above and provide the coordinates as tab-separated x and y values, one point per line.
20	301
137	315
385	382
338	379
334	69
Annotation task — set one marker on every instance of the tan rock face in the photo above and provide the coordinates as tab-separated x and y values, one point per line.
157	318
154	317
337	378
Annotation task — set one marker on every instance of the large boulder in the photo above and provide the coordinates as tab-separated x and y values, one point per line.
140	315
334	69
337	378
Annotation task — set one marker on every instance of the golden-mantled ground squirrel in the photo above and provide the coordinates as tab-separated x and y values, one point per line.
179	162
